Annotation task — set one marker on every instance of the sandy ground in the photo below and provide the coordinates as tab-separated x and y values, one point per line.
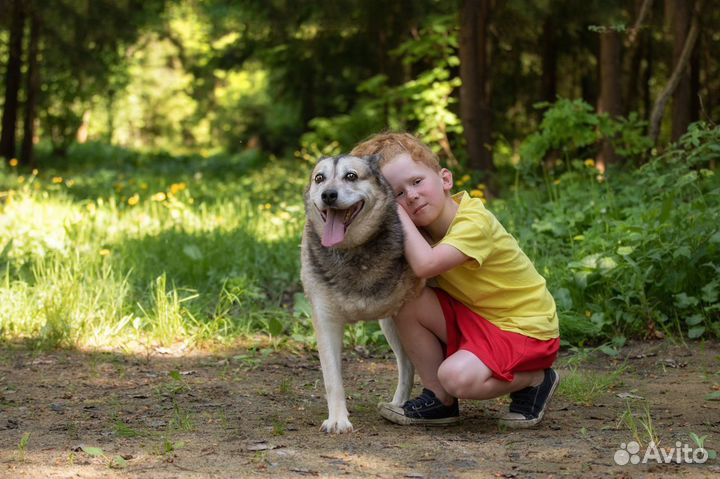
256	413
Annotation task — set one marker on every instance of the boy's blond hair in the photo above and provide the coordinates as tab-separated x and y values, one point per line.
391	144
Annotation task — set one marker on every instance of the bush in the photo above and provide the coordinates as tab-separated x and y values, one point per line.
636	253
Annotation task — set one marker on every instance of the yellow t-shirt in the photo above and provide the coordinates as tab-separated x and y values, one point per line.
499	282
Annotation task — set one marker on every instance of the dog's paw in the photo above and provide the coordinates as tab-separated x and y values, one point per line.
341	426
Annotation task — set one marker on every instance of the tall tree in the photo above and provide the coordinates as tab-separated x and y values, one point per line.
610	100
679	69
549	58
475	92
12	81
678	12
32	88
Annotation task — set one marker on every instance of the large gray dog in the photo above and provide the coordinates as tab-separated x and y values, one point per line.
353	268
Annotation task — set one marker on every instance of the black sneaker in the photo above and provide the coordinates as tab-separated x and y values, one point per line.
528	405
425	409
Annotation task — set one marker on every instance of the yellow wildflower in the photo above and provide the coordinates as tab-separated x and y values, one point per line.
134	199
159	196
476	193
556	182
590	163
104	252
175	188
57	179
13	162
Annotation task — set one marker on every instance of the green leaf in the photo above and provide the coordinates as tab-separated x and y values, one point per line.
118	462
684	301
625	250
713	396
609	350
695	332
563	299
695	319
710	292
193	252
606	264
275	327
92	451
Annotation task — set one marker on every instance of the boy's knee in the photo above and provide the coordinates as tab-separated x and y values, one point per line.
456	381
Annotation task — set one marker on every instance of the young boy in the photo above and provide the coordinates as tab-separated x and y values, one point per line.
490	328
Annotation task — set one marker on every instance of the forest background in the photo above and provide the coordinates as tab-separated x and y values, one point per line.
156	153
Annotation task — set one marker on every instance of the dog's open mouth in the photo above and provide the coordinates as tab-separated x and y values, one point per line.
337	222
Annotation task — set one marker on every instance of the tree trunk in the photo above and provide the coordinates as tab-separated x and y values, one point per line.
12	82
549	60
678	12
635	46
32	86
475	89
678	71
610	100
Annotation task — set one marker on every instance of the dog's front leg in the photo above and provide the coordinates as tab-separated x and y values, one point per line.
329	333
406	371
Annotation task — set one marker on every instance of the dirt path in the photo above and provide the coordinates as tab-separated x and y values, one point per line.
257	413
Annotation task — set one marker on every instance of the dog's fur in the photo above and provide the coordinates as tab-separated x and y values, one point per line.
353	268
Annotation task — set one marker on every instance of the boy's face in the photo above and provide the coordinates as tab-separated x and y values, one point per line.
419	189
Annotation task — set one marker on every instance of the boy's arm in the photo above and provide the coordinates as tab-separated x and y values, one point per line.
427	261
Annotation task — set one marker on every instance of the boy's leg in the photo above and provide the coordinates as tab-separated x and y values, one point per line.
422	330
465	376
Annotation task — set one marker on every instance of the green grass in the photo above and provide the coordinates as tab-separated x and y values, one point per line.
111	248
148	253
586	386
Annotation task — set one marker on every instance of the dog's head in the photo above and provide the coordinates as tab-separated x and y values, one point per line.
346	199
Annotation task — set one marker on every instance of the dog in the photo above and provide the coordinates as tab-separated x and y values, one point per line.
353	268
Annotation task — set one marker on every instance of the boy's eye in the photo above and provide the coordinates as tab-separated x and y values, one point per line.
417	180
398	194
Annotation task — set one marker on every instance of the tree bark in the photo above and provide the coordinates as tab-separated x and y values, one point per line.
679	14
33	89
610	100
549	60
475	89
12	82
678	71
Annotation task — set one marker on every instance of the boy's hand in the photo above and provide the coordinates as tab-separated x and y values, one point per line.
426	261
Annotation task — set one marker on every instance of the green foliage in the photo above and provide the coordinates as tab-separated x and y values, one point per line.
125	247
636	253
571	130
425	104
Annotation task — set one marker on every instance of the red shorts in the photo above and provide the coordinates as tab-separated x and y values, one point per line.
503	352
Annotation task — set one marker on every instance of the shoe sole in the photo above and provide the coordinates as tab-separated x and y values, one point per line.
526	423
396	415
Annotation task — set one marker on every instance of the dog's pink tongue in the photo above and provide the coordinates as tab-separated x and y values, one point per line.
334	231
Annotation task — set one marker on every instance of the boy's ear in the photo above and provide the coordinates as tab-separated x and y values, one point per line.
447	179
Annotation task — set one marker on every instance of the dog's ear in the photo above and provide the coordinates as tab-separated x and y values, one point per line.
374	162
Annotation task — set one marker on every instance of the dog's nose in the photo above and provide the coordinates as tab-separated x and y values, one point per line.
329	197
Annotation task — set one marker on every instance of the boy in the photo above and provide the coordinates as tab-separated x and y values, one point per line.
490	328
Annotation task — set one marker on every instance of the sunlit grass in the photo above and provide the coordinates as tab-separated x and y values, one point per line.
95	258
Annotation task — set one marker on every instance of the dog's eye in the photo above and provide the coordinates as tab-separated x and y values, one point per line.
350	176
319	178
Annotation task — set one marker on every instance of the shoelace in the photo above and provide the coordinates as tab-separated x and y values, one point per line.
426	399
